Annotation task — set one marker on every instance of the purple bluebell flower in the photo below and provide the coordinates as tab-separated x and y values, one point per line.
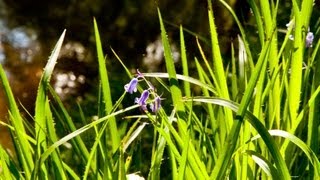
142	100
131	86
155	106
309	39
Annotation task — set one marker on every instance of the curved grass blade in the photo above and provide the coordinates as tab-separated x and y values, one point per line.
264	164
298	142
184	78
269	141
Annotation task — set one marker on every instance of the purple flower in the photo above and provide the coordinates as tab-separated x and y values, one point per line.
131	86
155	106
309	39
142	100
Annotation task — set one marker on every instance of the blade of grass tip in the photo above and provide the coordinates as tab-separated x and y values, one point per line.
242	32
218	65
174	86
40	115
23	147
113	130
202	38
184	61
258	17
234	84
123	65
215	82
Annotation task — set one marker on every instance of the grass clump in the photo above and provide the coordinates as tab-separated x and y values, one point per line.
227	132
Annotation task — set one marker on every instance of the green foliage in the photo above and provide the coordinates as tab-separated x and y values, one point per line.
231	129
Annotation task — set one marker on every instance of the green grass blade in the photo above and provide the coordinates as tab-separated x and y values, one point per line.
40	109
23	147
229	147
264	164
159	150
184	78
57	164
113	130
270	143
8	170
174	85
218	66
184	61
303	146
76	133
67	121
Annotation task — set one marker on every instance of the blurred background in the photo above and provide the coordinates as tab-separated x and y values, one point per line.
30	29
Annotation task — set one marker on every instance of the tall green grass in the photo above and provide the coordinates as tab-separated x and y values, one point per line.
256	118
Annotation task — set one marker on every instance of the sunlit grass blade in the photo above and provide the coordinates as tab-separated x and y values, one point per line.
174	85
40	109
113	130
184	78
8	170
23	148
68	124
159	150
76	133
183	171
264	164
184	61
93	152
303	146
229	147
270	143
57	165
218	66
242	32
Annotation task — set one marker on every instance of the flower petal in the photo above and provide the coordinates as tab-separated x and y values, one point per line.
131	86
155	106
309	39
142	100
